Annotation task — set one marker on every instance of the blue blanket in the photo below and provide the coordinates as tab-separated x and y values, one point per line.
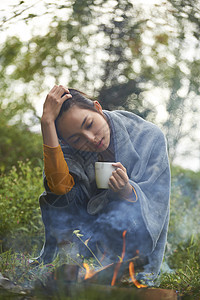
141	147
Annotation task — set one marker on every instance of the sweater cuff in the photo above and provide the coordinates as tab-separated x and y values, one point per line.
133	197
51	150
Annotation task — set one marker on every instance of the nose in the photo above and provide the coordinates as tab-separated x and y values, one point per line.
90	137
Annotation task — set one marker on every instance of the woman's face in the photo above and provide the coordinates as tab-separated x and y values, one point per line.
84	129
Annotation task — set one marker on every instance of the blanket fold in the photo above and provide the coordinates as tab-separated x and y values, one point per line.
141	147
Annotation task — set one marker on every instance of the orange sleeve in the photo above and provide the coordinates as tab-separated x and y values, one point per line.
59	180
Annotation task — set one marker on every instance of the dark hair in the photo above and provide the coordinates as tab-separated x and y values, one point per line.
79	99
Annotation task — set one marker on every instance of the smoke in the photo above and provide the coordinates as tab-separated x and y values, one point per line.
103	230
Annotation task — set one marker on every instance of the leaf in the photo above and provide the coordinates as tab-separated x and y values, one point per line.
86	242
76	232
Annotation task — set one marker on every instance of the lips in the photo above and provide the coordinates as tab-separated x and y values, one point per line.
100	144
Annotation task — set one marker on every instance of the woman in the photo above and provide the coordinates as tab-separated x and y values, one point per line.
77	133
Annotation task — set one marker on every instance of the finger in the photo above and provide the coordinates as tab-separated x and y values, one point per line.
59	91
66	90
62	90
54	88
120	182
112	187
119	165
121	174
65	97
115	183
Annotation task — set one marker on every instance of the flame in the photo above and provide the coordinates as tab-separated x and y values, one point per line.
115	273
121	259
89	273
124	244
132	274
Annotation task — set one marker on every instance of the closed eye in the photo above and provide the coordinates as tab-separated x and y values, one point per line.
90	125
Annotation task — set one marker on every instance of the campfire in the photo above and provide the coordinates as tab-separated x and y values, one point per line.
112	270
112	281
78	278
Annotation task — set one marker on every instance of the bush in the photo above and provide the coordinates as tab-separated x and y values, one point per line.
185	206
19	206
18	143
182	255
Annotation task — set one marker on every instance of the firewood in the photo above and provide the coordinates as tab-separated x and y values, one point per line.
105	274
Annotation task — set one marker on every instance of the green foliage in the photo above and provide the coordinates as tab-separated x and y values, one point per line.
185	206
17	268
182	253
129	50
19	206
19	143
186	263
79	236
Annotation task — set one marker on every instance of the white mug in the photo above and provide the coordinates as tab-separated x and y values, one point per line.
103	171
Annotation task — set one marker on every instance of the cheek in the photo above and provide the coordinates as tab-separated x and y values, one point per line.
106	130
103	126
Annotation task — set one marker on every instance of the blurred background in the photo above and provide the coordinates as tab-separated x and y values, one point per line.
142	56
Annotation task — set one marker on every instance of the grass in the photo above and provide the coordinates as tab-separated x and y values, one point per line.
186	264
185	279
17	268
28	278
39	280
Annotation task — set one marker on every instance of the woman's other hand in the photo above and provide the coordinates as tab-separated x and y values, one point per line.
54	101
119	181
51	109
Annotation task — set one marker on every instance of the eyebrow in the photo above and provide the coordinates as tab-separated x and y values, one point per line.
85	119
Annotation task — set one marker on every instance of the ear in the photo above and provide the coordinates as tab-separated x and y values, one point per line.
98	106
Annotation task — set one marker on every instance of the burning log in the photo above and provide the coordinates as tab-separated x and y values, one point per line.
117	293
101	292
114	272
65	282
105	274
66	275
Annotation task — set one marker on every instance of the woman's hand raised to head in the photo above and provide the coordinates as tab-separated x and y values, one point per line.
54	101
51	109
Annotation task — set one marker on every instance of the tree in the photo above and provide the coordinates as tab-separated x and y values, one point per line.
120	88
181	126
113	50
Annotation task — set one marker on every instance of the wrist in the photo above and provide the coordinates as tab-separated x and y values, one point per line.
47	120
128	191
49	133
131	195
